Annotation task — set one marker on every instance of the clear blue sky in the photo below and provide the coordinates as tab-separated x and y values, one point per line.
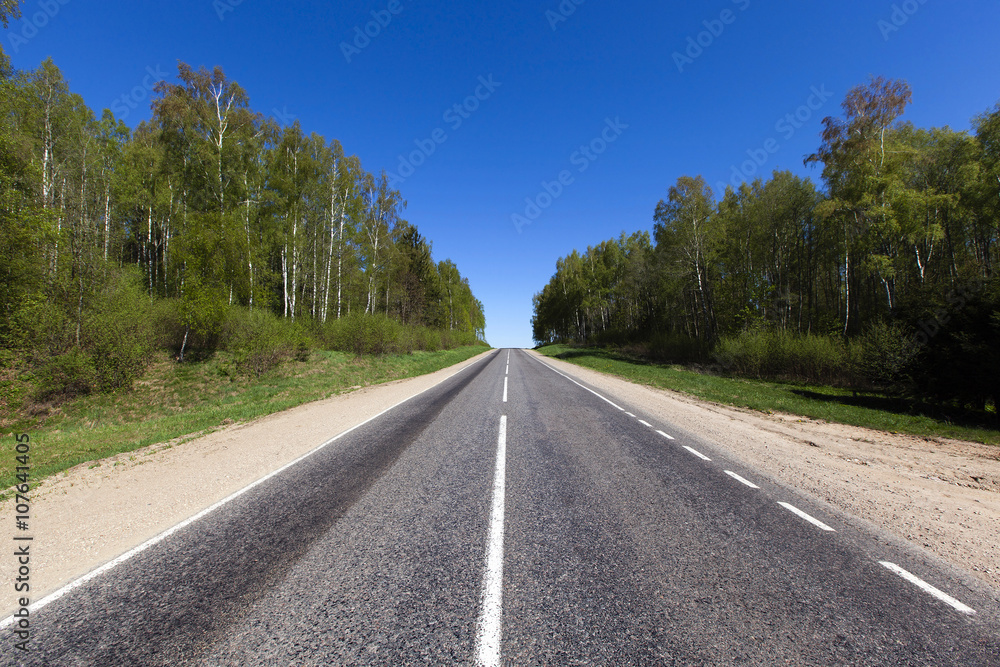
559	83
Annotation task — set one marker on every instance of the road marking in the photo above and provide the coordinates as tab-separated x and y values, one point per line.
668	437
697	453
816	522
608	401
646	424
490	624
940	595
630	414
741	480
505	390
52	597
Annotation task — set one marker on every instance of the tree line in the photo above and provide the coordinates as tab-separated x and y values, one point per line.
210	210
896	254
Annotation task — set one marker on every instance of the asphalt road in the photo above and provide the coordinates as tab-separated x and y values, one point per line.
511	515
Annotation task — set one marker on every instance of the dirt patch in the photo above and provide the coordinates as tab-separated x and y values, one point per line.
90	514
942	495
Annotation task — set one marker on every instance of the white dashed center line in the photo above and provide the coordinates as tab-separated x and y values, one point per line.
489	628
505	390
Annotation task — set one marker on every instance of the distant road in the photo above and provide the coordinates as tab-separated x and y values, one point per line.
511	515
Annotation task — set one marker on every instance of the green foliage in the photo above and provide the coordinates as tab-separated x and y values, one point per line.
380	335
118	332
66	376
116	340
363	334
766	353
881	357
853	286
259	341
955	357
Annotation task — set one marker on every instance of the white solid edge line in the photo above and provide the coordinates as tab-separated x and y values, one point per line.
697	453
741	480
608	401
489	627
645	423
668	437
816	522
505	390
940	595
52	597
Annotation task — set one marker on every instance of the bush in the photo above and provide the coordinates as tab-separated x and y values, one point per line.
677	348
955	358
118	333
261	341
168	324
763	353
43	328
881	356
363	334
66	376
378	334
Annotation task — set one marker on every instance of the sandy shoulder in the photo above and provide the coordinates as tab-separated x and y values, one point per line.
89	515
942	495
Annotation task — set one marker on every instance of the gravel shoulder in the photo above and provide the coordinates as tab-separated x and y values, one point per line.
941	495
94	512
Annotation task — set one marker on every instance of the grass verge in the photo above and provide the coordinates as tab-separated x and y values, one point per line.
177	402
826	403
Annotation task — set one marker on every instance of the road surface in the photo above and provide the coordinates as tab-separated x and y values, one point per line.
512	515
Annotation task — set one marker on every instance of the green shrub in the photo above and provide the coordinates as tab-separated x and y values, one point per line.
43	328
260	341
118	332
763	353
168	324
675	348
378	334
66	376
880	357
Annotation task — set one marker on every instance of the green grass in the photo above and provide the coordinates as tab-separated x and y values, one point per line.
826	403
177	402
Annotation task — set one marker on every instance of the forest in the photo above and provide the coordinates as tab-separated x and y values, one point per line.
882	279
209	226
